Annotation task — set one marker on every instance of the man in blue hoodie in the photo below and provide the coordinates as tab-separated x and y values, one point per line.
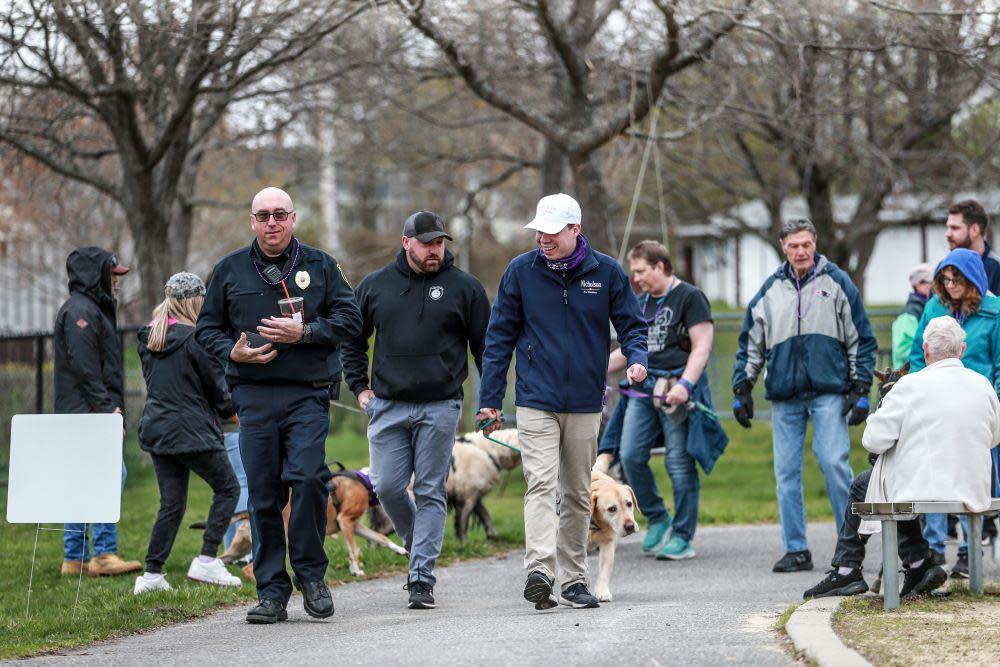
553	307
807	321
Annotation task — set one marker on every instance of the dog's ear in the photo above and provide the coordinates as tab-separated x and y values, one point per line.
880	375
593	504
635	501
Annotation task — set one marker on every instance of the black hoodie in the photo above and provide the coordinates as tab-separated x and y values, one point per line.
423	324
186	395
89	373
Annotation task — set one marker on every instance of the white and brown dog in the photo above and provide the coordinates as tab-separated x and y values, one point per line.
612	515
475	470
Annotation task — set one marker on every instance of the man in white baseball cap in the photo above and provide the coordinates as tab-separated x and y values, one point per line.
553	307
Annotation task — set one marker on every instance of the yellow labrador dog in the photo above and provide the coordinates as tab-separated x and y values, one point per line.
612	515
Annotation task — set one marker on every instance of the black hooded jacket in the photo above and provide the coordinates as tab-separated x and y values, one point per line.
89	371
186	395
424	325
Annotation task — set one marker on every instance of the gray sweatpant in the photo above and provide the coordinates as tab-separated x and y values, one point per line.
414	439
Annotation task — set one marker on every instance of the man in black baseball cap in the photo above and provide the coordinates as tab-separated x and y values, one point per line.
426	314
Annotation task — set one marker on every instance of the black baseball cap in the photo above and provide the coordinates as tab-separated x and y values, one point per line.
425	227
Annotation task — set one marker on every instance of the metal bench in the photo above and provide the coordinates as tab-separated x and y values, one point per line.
890	513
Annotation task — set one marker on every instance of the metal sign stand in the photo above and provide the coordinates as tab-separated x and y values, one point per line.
34	550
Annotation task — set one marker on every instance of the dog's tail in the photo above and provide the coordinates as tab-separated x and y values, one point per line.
198	525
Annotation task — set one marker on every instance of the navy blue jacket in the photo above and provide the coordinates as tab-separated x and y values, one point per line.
238	299
559	328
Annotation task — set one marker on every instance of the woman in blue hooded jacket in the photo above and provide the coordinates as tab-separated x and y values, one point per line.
960	290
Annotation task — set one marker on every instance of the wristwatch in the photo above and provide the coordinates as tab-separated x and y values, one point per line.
307	333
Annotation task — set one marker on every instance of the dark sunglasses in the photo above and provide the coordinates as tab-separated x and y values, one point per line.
279	216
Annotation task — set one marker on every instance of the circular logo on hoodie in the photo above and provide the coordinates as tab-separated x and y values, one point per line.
436	292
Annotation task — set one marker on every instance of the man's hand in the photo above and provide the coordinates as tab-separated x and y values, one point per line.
244	354
235	419
857	405
636	373
281	330
743	404
678	395
364	397
117	411
486	414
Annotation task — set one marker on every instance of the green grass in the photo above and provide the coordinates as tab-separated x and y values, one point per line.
741	490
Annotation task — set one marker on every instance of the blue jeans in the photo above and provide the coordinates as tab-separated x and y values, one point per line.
641	430
232	442
936	531
76	544
832	446
414	440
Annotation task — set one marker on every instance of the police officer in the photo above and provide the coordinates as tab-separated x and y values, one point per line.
281	369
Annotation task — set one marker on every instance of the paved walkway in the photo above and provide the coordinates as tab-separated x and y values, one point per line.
717	608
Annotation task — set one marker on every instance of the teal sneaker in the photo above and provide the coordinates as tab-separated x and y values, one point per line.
676	549
656	536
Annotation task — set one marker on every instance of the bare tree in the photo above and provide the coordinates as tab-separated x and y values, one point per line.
125	96
832	100
578	73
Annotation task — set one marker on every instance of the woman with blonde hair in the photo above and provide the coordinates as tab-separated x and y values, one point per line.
186	395
960	290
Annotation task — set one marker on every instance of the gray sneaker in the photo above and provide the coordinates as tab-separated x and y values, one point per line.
578	597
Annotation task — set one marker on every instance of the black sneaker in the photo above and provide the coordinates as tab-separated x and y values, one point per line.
578	597
794	561
838	584
923	579
937	557
538	589
316	598
267	611
961	569
421	594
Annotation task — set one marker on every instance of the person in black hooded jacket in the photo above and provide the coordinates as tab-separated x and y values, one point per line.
90	379
186	394
426	315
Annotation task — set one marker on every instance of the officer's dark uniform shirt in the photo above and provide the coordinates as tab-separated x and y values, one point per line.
239	297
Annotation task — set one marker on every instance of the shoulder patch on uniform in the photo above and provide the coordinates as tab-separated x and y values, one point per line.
82	323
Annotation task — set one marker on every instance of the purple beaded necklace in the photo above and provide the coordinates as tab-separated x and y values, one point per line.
288	271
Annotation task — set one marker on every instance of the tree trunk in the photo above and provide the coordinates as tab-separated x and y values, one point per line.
153	261
552	169
593	199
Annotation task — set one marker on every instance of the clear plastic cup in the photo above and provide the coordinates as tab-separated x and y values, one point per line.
292	307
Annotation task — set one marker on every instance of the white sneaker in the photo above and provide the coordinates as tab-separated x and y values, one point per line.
212	573
143	585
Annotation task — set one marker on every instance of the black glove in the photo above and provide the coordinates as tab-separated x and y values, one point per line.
743	404
857	404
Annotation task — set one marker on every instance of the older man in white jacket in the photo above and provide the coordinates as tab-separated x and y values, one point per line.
932	433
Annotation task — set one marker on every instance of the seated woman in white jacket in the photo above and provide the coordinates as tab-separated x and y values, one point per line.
932	433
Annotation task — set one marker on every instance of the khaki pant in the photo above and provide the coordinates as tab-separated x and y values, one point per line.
557	452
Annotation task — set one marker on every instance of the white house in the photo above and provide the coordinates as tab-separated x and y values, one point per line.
730	264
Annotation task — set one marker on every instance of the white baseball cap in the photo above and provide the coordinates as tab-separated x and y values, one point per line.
553	213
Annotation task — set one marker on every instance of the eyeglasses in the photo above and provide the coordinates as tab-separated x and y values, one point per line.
956	281
279	216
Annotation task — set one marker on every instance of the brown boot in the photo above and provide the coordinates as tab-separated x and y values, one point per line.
248	572
109	565
72	568
241	544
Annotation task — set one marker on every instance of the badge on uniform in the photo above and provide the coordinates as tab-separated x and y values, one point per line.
302	279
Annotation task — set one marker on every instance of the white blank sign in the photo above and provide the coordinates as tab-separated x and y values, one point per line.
65	469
